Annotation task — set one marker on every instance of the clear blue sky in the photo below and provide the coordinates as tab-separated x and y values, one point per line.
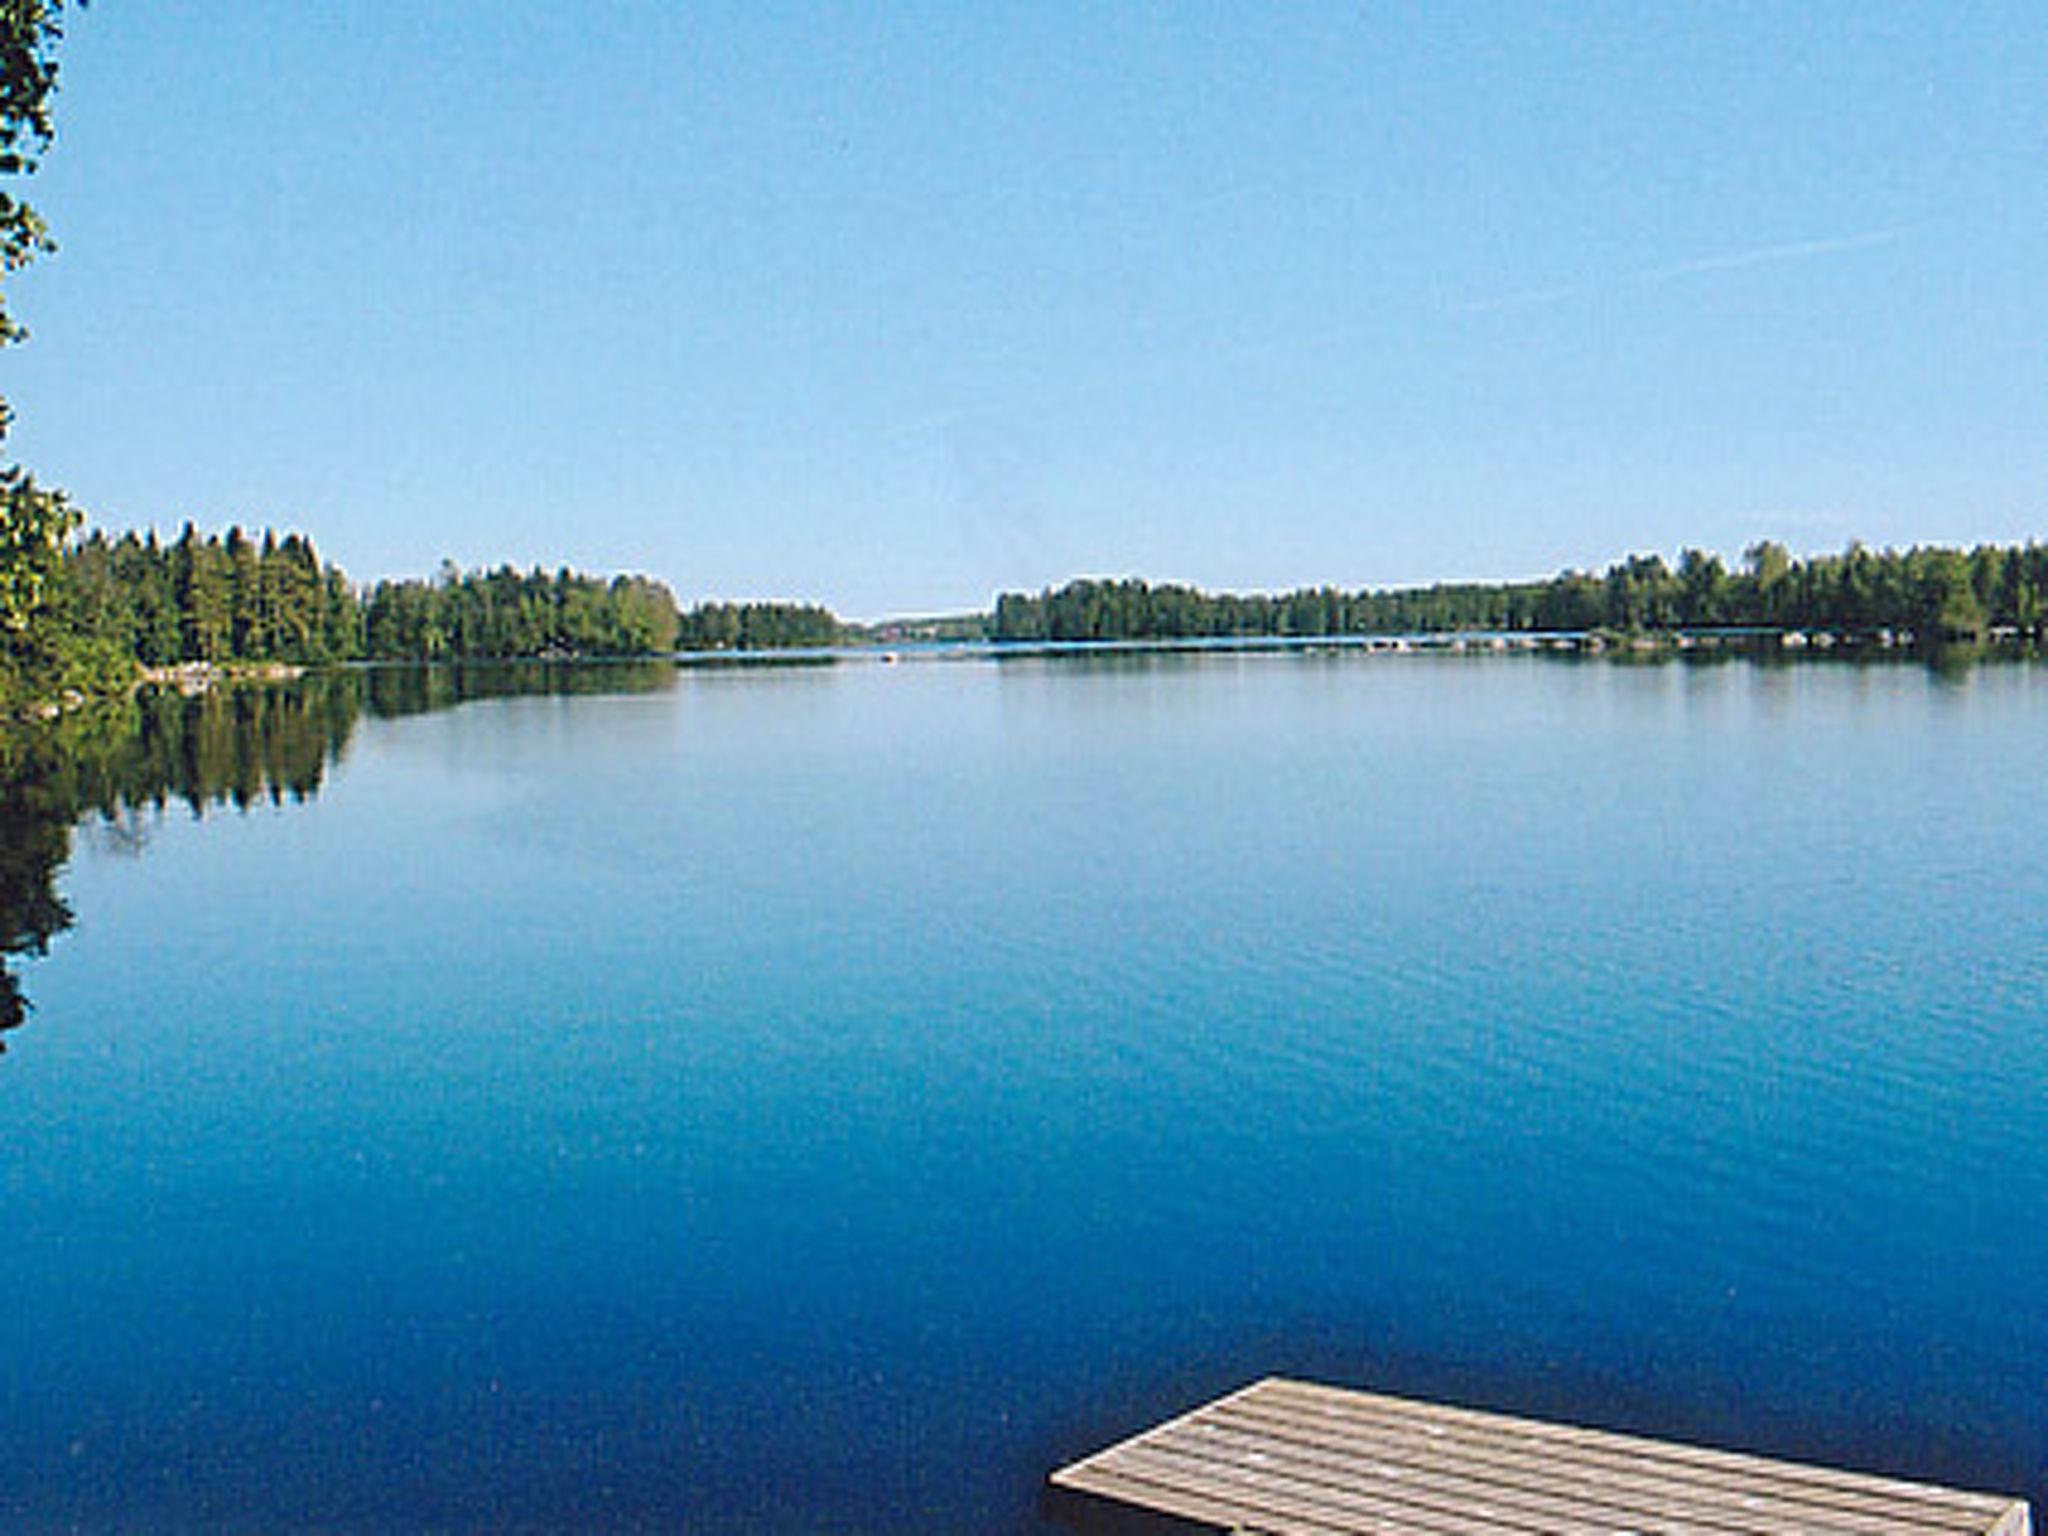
890	306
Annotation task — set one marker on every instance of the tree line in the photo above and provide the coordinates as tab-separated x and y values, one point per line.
104	606
507	614
760	627
1931	594
219	598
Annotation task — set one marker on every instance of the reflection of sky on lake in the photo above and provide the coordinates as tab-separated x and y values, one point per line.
823	1099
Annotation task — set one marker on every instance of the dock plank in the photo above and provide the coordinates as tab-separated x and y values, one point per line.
1601	1470
1542	1492
1291	1458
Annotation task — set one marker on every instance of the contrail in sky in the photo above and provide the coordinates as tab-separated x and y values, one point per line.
1797	250
1173	359
1727	261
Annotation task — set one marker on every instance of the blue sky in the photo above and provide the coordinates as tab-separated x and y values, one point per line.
890	306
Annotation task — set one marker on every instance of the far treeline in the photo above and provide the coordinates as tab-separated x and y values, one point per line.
105	607
109	605
1928	594
504	615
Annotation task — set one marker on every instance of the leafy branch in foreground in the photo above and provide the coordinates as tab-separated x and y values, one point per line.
34	523
29	33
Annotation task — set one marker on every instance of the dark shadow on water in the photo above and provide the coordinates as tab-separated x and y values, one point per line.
390	691
114	766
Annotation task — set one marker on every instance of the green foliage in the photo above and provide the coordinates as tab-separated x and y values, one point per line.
1935	595
34	523
237	598
29	33
501	614
758	627
1701	597
203	599
1945	598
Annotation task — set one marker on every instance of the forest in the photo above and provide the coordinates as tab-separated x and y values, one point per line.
107	607
1930	594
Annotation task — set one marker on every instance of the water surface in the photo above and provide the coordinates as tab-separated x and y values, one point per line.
820	1099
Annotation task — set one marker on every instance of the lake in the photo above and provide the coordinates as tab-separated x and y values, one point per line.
822	1098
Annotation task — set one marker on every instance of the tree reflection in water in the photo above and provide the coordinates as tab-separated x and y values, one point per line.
237	747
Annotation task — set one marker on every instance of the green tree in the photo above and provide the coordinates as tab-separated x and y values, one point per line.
34	523
1768	576
647	619
205	600
245	597
1946	599
29	33
1702	588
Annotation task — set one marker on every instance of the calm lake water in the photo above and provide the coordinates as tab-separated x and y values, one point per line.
820	1099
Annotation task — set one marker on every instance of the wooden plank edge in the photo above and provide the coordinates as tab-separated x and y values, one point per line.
1104	1514
1624	1501
1178	1421
1972	1501
1254	1506
1615	1468
1065	1496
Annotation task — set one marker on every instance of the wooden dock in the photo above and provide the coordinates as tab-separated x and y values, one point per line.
1287	1458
